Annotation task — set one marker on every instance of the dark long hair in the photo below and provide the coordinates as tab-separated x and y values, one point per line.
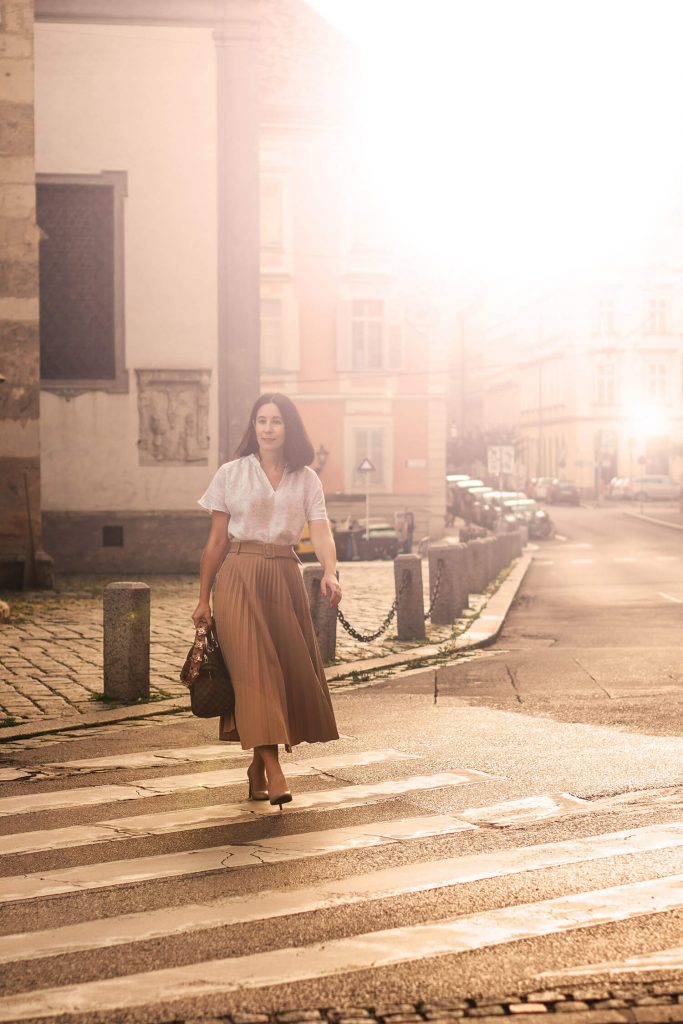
298	450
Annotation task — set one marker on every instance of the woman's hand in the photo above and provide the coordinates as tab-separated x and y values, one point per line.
329	588
202	614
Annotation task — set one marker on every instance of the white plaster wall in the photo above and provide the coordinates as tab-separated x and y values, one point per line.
140	100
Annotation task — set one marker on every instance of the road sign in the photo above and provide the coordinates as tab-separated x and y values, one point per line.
500	459
366	467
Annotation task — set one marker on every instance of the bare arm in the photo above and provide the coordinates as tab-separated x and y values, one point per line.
212	557
326	553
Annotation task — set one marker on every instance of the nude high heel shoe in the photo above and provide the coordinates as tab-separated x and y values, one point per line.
281	798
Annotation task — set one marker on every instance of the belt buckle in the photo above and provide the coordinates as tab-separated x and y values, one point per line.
268	550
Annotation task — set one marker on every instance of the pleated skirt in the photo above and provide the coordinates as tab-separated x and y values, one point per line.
267	638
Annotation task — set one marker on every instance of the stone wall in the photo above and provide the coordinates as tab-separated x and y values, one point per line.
133	543
20	534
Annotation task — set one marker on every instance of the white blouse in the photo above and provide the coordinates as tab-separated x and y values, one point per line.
257	512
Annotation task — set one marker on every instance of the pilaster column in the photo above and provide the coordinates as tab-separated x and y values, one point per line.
236	38
19	342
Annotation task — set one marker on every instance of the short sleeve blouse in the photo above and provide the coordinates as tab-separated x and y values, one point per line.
257	512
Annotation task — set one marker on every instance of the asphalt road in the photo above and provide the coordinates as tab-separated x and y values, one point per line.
506	824
596	635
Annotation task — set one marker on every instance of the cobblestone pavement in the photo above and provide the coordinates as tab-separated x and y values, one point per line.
51	649
635	1004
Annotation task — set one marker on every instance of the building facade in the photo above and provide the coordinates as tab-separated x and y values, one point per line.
594	386
198	245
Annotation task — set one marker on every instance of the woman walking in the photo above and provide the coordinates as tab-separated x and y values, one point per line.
259	503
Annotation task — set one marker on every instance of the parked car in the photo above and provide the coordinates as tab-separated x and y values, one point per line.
526	512
539	486
617	488
563	492
653	488
381	540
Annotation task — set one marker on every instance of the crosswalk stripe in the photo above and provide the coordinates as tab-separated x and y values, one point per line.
347	955
216	815
155	758
374	885
223	858
669	597
660	960
172	784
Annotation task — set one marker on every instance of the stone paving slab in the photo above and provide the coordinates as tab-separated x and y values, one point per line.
635	1004
51	650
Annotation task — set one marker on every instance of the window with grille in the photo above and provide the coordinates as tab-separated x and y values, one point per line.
606	316
367	334
81	280
272	334
658	315
656	381
605	384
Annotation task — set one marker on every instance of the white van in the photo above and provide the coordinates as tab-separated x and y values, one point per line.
652	488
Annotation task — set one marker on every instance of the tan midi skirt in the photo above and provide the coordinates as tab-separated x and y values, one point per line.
266	635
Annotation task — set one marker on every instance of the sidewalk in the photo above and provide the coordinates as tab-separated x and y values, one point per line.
669	515
51	650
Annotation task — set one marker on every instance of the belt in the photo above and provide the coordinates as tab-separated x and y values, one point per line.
257	547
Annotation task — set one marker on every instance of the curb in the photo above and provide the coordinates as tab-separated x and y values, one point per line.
491	618
490	622
43	727
651	519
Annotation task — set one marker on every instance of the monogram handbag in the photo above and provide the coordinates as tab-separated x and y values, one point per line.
207	677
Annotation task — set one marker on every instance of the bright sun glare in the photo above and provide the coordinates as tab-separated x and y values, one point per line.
521	138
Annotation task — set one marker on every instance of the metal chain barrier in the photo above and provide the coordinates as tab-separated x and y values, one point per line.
437	583
367	638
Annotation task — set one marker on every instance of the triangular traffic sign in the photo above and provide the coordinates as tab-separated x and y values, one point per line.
366	466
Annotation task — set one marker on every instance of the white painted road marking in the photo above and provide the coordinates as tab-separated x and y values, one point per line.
526	811
669	597
156	758
345	956
660	960
224	858
375	885
172	784
216	815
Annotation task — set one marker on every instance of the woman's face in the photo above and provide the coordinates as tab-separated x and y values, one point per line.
270	428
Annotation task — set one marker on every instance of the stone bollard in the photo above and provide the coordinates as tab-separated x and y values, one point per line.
477	566
324	617
453	595
499	554
126	641
410	613
490	559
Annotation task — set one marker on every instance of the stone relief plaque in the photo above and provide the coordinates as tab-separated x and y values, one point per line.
173	411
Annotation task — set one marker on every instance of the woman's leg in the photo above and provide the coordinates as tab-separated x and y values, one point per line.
277	783
257	770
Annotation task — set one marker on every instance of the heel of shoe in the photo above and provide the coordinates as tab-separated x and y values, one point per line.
281	798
